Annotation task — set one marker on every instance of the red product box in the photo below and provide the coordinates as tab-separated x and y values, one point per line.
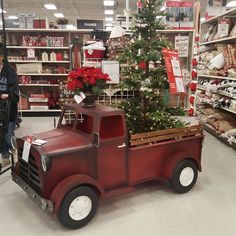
40	24
94	53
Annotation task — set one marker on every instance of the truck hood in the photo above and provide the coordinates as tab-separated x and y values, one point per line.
63	141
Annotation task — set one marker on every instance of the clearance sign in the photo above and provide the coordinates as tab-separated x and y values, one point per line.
174	72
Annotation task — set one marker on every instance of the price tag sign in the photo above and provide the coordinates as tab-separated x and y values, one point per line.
26	151
31	53
176	67
223	28
182	45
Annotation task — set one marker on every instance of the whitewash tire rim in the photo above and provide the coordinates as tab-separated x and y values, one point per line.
80	208
186	176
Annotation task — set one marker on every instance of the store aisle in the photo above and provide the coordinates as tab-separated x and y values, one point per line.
209	209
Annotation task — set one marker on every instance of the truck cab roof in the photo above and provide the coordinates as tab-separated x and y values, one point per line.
99	109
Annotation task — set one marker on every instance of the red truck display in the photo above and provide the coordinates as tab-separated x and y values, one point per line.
91	156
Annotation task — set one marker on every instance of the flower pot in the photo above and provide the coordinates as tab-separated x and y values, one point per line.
89	100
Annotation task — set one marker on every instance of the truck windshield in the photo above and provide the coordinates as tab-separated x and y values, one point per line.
84	123
69	118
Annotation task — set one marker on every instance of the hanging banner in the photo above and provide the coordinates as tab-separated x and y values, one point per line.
174	72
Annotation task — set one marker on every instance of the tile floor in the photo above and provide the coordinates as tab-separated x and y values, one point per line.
209	209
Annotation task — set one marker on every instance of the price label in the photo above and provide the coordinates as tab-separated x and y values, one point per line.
26	151
176	67
31	53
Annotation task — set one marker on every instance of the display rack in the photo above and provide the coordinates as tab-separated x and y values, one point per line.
50	80
219	102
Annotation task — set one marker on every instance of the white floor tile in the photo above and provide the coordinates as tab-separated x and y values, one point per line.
209	209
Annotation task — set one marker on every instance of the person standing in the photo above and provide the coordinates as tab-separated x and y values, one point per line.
9	90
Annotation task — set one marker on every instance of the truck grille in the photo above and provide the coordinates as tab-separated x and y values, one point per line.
29	172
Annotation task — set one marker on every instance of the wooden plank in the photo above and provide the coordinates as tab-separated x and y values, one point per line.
185	132
165	132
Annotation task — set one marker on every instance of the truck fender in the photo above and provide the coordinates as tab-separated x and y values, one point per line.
69	183
172	162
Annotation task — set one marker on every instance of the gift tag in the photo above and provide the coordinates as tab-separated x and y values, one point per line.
26	151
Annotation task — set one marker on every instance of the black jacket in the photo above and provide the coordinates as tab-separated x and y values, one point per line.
9	77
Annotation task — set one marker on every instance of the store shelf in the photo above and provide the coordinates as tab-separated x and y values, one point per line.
212	131
36	47
226	109
175	31
217	77
41	74
33	61
225	40
39	85
50	30
222	108
227	13
40	110
217	92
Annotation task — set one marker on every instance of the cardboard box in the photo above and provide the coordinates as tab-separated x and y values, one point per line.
40	23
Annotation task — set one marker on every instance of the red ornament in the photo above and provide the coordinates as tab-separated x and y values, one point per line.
190	111
192	99
193	86
142	65
139	4
194	62
194	74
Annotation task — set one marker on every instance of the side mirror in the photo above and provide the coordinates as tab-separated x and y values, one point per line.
13	142
96	139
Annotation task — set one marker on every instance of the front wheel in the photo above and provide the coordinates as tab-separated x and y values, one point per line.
78	207
184	176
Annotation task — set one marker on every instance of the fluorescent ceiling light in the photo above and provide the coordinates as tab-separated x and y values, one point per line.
109	24
109	12
109	3
50	6
231	4
70	27
12	17
109	28
59	15
108	18
3	11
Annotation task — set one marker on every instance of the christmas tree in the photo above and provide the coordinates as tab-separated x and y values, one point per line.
145	72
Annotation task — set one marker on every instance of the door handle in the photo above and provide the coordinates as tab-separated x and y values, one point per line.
121	146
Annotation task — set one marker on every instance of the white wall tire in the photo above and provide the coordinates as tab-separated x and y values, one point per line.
78	207
184	176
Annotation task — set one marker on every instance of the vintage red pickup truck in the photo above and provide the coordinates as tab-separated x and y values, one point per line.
90	156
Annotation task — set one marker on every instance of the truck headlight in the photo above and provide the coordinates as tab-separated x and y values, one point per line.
45	162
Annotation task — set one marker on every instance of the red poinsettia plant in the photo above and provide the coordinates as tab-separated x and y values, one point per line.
87	79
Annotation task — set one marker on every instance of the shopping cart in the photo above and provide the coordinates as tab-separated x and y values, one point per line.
4	121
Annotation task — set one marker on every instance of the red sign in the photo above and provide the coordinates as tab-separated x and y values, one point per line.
174	71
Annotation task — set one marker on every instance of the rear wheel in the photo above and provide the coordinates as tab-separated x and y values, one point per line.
78	207
184	176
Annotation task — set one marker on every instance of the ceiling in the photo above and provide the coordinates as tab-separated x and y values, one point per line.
72	9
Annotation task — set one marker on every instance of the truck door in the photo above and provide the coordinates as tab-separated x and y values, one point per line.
111	154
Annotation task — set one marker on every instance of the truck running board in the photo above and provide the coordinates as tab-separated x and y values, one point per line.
119	191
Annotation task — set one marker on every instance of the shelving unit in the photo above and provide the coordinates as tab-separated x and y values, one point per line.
210	99
20	41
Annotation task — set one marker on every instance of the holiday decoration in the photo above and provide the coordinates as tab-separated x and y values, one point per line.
146	111
88	80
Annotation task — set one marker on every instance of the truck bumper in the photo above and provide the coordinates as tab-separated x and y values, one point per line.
46	205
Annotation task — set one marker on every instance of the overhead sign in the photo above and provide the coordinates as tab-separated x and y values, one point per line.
90	24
